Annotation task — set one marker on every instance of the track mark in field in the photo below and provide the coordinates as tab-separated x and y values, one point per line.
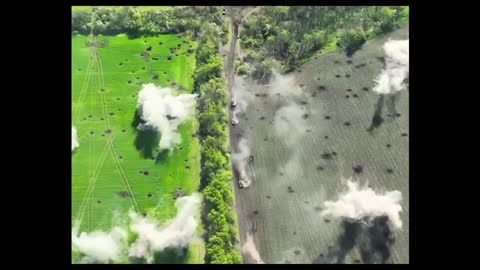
83	90
91	184
112	149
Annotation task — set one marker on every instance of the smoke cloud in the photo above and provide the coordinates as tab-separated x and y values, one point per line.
240	160
75	143
249	248
177	233
392	78
98	246
363	203
164	112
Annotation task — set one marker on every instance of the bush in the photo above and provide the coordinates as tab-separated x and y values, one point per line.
263	72
352	40
243	69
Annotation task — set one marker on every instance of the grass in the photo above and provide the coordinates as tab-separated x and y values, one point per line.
121	63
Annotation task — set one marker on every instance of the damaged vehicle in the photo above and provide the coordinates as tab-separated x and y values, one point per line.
234	121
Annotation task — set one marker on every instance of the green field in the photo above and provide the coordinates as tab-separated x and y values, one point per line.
108	165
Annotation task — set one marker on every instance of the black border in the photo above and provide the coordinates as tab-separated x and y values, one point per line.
52	187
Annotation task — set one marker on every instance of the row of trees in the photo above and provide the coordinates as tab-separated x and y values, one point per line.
218	215
134	21
292	34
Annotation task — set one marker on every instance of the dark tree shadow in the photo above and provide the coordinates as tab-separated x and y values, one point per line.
351	50
374	239
161	156
135	260
391	103
377	119
170	256
346	242
376	242
146	139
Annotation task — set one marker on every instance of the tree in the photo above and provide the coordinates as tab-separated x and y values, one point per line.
352	40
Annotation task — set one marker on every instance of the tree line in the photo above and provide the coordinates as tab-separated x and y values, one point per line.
289	35
216	176
136	22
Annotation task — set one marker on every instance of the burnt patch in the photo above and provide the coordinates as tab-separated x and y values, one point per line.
357	169
327	117
177	193
327	156
389	171
347	124
355	95
365	89
123	194
404	134
290	190
338	76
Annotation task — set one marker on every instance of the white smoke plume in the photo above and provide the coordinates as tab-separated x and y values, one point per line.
75	143
243	151
98	246
284	85
249	248
163	111
177	233
392	78
289	123
362	202
240	162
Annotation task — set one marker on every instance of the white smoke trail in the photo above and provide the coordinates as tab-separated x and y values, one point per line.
240	162
358	203
75	143
164	112
99	246
177	233
249	248
392	78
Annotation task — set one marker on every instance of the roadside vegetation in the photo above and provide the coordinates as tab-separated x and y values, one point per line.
218	217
